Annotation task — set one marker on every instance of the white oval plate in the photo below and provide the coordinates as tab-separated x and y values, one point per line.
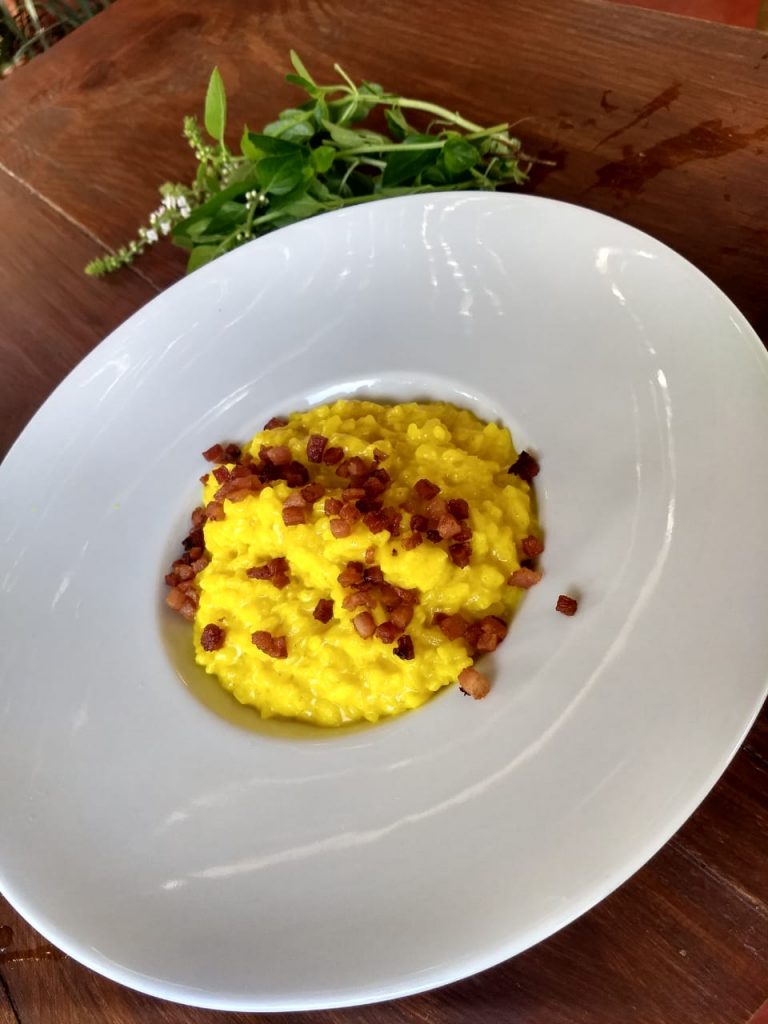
265	868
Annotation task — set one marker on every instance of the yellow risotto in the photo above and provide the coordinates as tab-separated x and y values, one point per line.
357	557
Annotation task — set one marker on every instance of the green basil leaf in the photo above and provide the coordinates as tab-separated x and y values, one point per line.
305	206
269	145
346	138
216	107
398	126
292	131
406	163
458	156
293	125
434	175
298	67
226	217
319	113
303	83
201	255
211	207
322	158
319	190
279	174
193	231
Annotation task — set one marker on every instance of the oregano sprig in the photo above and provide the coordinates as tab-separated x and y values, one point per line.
320	155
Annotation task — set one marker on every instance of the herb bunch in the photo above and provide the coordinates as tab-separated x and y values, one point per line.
318	156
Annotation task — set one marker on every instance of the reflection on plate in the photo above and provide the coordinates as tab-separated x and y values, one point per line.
261	869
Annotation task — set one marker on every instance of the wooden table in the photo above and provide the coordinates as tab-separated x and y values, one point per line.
657	120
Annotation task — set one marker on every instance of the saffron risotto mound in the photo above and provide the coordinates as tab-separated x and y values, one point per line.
406	517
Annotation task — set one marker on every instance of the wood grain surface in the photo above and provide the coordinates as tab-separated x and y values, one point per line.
659	121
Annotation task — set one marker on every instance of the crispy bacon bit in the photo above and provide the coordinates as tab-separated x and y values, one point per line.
214	454
278	454
388	596
280	647
215	511
239	494
376	521
373	575
198	517
333	456
340	527
492	632
276	421
526	467
212	637
566	605
365	505
407	596
183	599
276	571
239	472
474	683
274	646
370	554
464	534
175	599
419	523
293	515
460	554
295	500
200	563
296	475
364	624
189	609
387	632
342	469
333	506
379	455
357	467
315	447
404	648
352	574
436	508
524	578
472	635
531	547
185	572
221	474
453	626
426	489
458	508
393	524
359	599
413	541
193	540
373	487
312	493
401	615
323	610
448	526
171	579
260	572
353	493
350	512
240	486
434	536
232	452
